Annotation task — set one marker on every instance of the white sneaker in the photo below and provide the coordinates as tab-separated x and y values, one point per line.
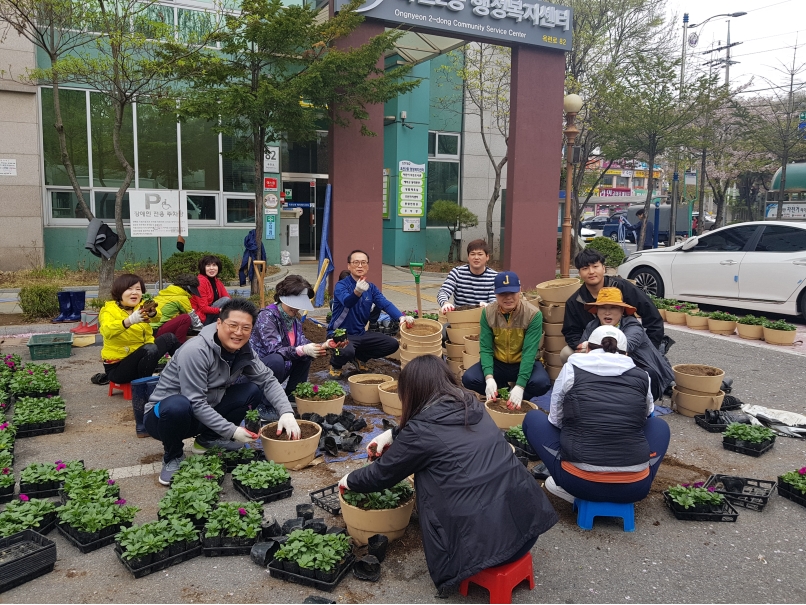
557	490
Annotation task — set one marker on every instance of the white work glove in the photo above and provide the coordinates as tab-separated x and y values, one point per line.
361	285
343	484
582	347
329	344
491	390
313	349
243	436
447	307
515	398
379	445
407	319
288	424
483	304
136	317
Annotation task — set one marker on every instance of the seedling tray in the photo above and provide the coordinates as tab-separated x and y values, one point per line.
7	494
276	571
23	557
524	446
227	551
728	514
327	498
790	493
87	547
754	495
160	565
249	493
711	428
748	451
34	430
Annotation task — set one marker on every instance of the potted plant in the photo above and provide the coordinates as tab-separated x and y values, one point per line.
35	380
779	332
252	421
386	512
6	482
191	500
695	502
325	398
661	304
93	523
515	436
204	468
504	417
89	485
698	377
12	361
262	479
27	513
140	545
232	458
295	454
792	485
313	555
722	323
233	525
697	320
751	327
364	387
39	415
676	314
46	477
748	439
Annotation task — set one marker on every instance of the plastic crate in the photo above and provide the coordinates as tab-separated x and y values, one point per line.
159	566
766	446
23	557
790	493
265	499
711	428
755	493
276	571
50	346
87	547
727	514
327	498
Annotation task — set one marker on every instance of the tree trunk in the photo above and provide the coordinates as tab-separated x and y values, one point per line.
779	214
453	246
639	243
257	140
106	275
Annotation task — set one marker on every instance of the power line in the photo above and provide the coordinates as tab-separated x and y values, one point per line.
797	31
768	6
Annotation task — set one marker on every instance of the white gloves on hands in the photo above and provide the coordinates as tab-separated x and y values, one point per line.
288	424
379	445
447	307
483	304
407	319
313	349
136	317
343	484
515	398
243	436
361	285
491	390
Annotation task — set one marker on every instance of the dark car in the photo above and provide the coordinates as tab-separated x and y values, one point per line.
596	222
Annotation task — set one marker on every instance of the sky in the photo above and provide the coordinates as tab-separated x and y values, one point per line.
768	34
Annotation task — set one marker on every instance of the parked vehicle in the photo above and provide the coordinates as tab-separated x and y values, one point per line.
756	265
595	222
611	229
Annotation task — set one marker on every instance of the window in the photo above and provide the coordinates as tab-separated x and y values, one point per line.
443	145
443	183
239	174
727	240
199	156
638	183
201	207
622	181
156	148
105	205
305	157
73	105
65	204
106	168
782	239
240	210
194	26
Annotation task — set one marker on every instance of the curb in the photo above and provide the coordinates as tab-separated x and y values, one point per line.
752	343
37	328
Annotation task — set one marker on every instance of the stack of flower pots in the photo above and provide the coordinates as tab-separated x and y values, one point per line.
553	295
463	339
697	388
423	338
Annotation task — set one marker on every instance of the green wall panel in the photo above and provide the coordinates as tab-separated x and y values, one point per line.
437	244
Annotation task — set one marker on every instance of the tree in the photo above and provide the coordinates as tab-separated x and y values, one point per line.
119	48
280	76
483	72
455	217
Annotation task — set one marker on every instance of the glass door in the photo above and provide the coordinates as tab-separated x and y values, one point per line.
304	195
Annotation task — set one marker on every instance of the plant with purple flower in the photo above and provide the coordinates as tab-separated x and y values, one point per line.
797	479
689	496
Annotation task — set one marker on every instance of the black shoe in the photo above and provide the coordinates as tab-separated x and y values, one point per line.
540	472
100	378
267	414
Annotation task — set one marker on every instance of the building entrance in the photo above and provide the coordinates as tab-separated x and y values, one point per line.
307	192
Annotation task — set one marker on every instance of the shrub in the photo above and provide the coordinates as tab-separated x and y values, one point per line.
612	252
39	302
188	262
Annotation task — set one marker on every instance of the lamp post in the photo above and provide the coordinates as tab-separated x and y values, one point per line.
571	105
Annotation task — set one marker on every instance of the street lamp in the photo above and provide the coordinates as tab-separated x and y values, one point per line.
571	105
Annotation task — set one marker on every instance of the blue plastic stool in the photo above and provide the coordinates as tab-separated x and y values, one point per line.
588	510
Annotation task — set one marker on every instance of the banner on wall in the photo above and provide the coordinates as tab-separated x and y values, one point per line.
411	189
386	173
158	213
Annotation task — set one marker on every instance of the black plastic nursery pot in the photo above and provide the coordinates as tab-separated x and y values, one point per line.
148	564
790	492
327	498
746	447
23	557
326	581
50	427
524	446
88	542
6	493
747	493
711	428
226	546
715	514
265	495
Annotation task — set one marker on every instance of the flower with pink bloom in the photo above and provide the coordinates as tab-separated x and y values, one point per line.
209	477
802	471
242	512
58	462
120	502
698	484
6	470
110	482
315	388
61	466
711	488
24	498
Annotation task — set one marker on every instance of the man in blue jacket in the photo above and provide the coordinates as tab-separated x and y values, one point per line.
353	298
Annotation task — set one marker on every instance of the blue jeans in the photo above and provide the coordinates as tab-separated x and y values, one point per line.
177	421
296	374
544	437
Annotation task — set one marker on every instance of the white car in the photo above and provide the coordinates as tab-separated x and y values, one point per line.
759	266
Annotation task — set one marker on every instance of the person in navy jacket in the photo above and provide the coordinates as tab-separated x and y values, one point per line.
353	298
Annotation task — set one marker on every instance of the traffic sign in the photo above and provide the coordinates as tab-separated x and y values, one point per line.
802	125
803	116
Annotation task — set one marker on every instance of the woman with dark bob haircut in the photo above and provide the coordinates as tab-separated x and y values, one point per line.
279	341
212	293
130	350
478	506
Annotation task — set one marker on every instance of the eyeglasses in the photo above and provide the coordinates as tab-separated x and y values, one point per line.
360	263
235	328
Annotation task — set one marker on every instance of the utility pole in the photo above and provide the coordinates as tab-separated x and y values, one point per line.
727	60
676	175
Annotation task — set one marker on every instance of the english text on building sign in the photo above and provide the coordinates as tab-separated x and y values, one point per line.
535	23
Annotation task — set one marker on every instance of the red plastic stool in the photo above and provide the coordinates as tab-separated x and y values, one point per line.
500	581
126	387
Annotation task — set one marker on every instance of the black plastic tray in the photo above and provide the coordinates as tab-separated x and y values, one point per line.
286	493
7	497
160	565
790	493
45	493
727	515
35	556
754	495
525	447
327	498
739	449
86	547
275	571
227	551
35	432
711	428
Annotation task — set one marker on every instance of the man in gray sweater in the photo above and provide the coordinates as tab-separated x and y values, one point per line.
207	388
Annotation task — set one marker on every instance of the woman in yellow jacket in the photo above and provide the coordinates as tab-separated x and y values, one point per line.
130	350
174	312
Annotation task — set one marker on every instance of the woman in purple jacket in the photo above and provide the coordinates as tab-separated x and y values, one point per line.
278	339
